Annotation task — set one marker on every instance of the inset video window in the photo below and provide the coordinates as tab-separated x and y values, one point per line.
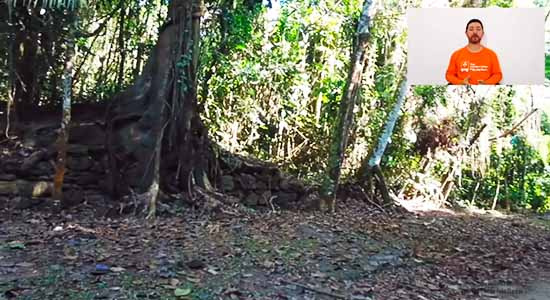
476	46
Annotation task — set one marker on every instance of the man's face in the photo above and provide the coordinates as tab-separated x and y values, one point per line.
474	32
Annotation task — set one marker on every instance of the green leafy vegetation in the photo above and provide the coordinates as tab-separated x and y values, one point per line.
517	177
270	82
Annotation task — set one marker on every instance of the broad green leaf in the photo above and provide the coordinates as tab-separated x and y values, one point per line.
182	292
16	245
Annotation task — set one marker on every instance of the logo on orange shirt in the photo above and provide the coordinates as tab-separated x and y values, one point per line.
465	66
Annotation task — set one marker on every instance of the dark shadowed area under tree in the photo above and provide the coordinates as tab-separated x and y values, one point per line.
259	149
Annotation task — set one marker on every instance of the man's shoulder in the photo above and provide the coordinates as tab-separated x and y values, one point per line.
490	51
459	51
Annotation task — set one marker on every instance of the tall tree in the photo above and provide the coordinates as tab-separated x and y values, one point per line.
347	104
121	42
154	124
372	169
66	110
11	73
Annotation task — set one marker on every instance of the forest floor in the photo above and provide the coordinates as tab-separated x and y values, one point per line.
358	252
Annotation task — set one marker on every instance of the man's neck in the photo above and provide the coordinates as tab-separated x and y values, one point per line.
474	47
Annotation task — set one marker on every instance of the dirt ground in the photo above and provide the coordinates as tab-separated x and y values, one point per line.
359	252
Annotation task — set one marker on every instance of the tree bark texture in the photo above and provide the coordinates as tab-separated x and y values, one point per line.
155	136
63	137
373	164
347	104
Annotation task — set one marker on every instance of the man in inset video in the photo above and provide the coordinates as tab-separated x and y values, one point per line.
474	63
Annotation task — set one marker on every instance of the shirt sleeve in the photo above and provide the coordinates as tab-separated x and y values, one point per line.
496	72
451	74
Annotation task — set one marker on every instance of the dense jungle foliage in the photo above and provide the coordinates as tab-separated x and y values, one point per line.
270	81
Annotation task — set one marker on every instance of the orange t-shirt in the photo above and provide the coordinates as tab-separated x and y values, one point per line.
482	65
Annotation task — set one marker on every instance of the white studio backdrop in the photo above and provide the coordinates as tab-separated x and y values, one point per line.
515	34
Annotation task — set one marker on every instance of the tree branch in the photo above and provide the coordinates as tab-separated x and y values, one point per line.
511	130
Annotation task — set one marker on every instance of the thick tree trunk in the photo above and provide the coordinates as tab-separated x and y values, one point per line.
347	104
155	137
157	144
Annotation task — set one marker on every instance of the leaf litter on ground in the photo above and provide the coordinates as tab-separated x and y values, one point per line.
356	253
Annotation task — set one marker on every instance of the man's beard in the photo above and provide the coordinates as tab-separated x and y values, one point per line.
474	39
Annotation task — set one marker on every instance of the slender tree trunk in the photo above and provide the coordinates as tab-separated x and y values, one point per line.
390	124
139	58
507	205
522	179
449	181
77	73
11	74
222	49
347	104
318	106
495	199
66	116
373	165
121	48
141	46
105	63
25	77
475	192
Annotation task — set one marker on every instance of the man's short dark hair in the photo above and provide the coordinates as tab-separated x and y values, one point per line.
474	21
